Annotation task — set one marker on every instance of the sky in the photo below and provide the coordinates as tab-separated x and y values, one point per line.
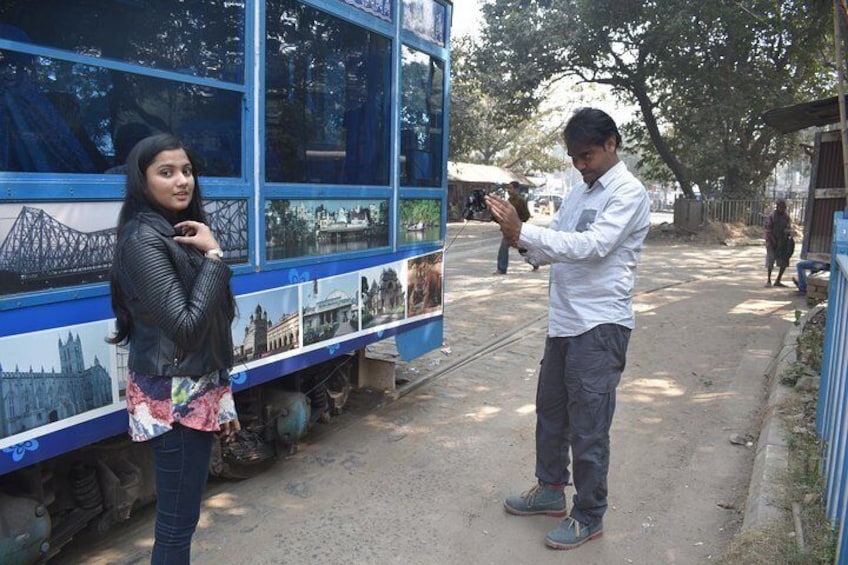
466	17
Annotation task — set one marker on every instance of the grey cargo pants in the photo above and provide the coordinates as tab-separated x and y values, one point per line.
575	402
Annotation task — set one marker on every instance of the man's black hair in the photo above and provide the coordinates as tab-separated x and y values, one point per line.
592	126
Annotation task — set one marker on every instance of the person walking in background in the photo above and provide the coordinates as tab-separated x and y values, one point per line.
593	245
174	307
778	231
520	204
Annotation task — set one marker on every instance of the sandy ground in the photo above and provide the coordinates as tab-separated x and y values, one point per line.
421	479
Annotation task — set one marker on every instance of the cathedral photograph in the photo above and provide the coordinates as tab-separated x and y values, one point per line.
49	376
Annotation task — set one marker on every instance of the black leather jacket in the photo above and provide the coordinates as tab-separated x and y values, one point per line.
178	302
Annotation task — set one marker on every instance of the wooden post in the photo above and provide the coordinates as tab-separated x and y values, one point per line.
838	40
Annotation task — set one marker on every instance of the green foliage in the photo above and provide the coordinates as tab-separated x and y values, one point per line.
810	346
426	211
479	134
701	74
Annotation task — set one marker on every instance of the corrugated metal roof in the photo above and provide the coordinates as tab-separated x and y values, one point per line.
484	174
800	116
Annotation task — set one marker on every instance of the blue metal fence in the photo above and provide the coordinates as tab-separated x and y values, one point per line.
831	421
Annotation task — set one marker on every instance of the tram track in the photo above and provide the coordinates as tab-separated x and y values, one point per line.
532	328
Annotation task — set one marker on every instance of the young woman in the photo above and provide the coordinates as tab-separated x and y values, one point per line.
172	300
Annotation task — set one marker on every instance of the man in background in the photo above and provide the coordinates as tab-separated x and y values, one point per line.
778	231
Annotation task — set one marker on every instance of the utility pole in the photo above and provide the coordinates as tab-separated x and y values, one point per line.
838	28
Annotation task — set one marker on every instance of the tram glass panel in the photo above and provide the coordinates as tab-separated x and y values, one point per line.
327	99
63	117
420	220
422	119
197	37
51	245
299	228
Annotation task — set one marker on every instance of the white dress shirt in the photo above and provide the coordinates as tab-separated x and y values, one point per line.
592	244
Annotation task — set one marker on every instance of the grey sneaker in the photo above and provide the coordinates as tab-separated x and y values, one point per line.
541	499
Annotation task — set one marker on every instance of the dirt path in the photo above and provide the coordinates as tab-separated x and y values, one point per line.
421	480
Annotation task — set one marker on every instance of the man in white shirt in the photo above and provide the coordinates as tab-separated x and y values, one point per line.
592	245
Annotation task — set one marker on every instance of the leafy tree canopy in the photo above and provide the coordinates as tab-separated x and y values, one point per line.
700	73
479	134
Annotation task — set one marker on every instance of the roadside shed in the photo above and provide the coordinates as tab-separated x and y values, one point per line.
463	178
827	191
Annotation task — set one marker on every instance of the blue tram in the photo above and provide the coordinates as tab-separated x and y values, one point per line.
321	130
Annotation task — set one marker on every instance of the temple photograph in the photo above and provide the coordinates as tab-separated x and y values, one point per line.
383	294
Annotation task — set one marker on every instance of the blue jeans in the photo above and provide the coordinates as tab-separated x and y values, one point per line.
807	265
503	255
575	402
182	459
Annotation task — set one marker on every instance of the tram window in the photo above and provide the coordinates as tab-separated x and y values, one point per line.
63	117
327	98
299	228
426	19
228	220
197	37
49	245
420	220
422	119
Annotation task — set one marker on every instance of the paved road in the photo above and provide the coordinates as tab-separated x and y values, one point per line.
420	480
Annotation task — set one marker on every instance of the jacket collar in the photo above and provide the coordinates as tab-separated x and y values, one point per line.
156	221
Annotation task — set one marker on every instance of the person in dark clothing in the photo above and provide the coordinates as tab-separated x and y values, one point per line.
520	206
778	232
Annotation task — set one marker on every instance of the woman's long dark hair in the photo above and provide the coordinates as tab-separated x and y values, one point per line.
136	201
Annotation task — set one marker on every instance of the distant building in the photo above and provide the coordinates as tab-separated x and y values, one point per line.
464	178
29	399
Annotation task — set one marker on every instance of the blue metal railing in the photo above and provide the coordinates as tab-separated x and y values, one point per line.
832	408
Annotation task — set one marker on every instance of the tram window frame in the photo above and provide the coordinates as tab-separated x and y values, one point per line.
433	127
18	187
384	228
76	189
161	30
349	112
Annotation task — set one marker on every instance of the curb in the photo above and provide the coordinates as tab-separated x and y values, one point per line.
766	501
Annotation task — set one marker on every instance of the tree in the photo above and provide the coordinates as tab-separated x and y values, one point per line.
700	73
478	134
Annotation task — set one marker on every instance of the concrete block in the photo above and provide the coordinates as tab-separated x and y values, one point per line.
375	372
